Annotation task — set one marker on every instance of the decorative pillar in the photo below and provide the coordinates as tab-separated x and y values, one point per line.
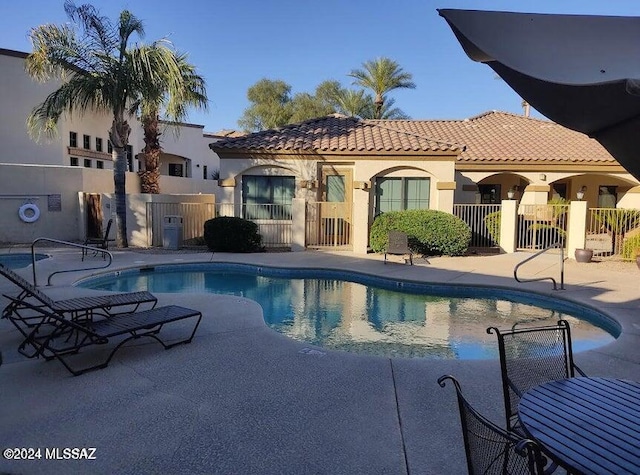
298	224
508	224
577	228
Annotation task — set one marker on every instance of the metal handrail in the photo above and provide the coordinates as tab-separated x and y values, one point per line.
552	246
66	243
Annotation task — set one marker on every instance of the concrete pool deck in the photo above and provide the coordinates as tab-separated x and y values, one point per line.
243	399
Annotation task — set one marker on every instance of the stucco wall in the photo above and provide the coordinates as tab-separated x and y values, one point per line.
53	187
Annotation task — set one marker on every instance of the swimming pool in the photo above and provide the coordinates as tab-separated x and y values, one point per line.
19	259
373	315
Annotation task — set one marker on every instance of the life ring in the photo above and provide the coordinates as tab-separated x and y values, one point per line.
29	213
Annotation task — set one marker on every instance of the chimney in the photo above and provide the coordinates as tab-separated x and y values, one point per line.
527	108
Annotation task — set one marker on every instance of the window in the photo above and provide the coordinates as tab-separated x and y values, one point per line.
559	190
109	147
129	154
98	144
204	172
73	139
175	169
86	142
73	161
99	164
489	194
87	163
607	196
396	194
267	197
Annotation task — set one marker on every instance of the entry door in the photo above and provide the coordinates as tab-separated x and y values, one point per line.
337	193
94	215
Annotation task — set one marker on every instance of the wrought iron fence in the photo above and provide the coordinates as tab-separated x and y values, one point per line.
540	226
613	232
273	220
484	221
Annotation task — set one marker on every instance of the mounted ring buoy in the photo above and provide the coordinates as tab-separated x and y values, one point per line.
29	213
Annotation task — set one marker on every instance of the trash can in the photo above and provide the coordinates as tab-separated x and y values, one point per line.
172	232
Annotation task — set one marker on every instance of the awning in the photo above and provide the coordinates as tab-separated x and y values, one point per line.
580	71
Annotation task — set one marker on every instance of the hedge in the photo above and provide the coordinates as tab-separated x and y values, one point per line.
430	232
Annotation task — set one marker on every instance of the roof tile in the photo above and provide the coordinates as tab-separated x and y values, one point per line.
490	137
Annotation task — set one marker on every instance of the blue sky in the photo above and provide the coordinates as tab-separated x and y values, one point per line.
236	43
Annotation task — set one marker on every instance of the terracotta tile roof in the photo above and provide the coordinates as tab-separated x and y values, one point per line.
336	133
225	133
504	137
489	137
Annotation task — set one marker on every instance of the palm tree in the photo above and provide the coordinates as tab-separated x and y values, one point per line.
188	91
353	103
99	72
381	76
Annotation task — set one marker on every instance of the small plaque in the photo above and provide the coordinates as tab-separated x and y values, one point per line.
54	202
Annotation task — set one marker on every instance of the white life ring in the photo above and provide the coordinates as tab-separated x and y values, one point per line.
29	213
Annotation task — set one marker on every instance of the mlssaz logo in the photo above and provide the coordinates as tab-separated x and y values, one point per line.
70	453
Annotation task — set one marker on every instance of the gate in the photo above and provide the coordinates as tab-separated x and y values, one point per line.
328	225
540	226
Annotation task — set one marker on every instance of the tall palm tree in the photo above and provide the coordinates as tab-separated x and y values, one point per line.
99	72
354	103
381	76
173	102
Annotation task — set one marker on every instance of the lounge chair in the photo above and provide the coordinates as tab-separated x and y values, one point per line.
398	244
20	308
99	242
55	336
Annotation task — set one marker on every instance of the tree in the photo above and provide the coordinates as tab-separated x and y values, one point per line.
187	89
270	106
381	76
99	72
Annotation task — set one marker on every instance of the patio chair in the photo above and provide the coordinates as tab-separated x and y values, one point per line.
63	337
529	357
99	242
20	308
490	449
398	244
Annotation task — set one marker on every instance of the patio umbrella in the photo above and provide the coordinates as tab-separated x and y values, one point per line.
580	71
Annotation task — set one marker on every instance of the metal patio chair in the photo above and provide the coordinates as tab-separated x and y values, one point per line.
99	242
398	244
490	449
529	357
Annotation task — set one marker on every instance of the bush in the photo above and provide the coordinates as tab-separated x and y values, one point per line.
493	222
227	234
430	232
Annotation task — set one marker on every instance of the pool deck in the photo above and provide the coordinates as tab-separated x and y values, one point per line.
243	399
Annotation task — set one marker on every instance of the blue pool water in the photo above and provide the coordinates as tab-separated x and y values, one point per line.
372	315
19	259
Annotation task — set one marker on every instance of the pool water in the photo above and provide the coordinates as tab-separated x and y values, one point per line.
372	315
19	259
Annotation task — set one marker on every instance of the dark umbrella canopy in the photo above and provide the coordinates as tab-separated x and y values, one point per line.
580	71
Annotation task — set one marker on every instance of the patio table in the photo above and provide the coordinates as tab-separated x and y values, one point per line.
587	425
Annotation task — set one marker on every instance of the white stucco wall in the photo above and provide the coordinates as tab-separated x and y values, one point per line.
18	95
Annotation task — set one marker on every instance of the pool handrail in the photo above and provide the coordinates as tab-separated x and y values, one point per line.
558	244
66	243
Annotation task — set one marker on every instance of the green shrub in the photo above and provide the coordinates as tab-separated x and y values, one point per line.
228	234
430	232
493	222
631	246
